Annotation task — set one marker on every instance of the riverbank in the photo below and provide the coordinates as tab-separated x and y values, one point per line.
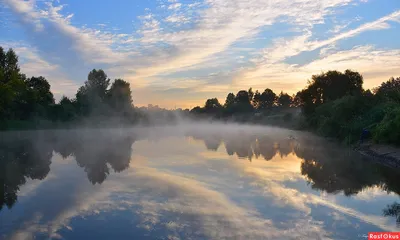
385	154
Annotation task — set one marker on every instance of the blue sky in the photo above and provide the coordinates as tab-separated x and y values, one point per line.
181	52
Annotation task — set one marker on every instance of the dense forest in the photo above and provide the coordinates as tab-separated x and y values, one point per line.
333	104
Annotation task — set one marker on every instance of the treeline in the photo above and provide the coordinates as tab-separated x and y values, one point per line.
247	102
334	104
29	103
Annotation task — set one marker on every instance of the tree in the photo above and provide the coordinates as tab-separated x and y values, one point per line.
389	90
257	99
242	102
41	88
91	98
284	100
98	83
387	131
212	105
65	110
393	210
230	100
267	99
196	110
120	97
328	87
2	65
7	96
11	67
296	101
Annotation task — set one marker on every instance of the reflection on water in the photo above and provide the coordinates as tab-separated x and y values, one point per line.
190	182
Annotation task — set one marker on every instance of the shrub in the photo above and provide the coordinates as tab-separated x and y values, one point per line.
387	131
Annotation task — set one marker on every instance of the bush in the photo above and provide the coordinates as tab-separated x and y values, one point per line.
387	131
340	118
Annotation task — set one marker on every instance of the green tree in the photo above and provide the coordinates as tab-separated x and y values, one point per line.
91	98
389	90
2	65
41	88
328	87
65	110
11	67
387	131
6	99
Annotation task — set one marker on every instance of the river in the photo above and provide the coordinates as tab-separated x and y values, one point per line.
194	181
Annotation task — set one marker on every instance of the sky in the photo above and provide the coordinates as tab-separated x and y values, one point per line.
178	53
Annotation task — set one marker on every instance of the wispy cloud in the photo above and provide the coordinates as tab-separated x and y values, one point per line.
271	65
189	36
32	64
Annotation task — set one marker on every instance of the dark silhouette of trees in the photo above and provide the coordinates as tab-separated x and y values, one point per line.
267	99
256	99
284	100
242	102
230	100
120	96
212	106
242	97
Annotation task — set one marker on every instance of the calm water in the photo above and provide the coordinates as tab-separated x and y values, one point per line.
191	182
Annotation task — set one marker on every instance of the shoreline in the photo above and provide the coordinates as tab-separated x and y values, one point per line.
384	154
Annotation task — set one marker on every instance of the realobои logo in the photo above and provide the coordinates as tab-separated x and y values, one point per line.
383	235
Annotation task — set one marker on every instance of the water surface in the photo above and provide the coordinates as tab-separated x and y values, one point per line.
190	182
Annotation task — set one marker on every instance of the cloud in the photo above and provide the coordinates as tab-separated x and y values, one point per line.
271	65
176	18
186	36
175	6
32	64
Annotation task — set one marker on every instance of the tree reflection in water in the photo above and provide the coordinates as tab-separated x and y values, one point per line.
393	211
96	151
21	159
325	167
28	156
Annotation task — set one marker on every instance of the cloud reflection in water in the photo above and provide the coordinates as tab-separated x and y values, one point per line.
194	182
